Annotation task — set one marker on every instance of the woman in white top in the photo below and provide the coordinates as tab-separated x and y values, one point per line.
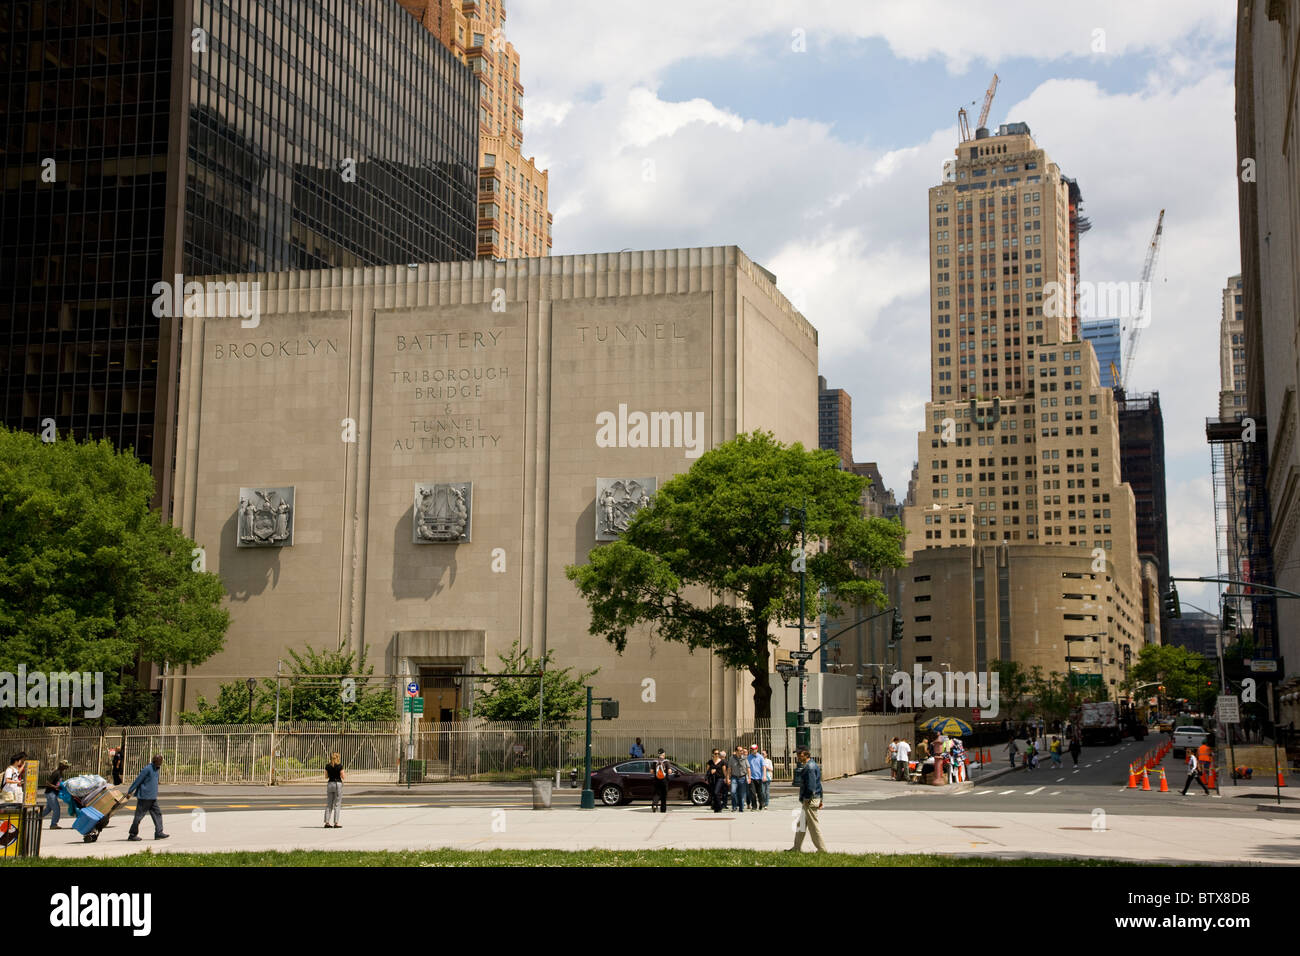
13	779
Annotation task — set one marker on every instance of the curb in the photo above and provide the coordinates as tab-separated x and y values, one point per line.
1274	808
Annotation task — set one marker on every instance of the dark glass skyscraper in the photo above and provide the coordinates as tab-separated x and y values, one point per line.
143	139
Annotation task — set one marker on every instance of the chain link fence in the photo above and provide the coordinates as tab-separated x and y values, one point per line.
377	751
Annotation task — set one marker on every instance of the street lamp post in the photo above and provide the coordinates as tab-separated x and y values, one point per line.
786	670
801	734
251	684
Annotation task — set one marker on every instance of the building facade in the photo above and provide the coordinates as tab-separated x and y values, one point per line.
1021	531
835	421
1268	153
1104	334
149	140
498	416
514	195
1142	468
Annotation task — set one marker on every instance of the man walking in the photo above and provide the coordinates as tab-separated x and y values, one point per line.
893	758
1075	747
145	790
660	768
738	772
810	799
755	778
1012	750
902	756
1194	773
52	795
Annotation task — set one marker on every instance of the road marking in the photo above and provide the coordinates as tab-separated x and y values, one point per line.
1030	793
1005	792
1059	779
982	792
1054	793
1087	765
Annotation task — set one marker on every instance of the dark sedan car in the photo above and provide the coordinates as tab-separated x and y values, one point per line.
634	780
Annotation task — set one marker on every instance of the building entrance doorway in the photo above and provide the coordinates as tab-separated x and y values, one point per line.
442	704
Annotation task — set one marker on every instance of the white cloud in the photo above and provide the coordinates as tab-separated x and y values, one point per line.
623	43
844	224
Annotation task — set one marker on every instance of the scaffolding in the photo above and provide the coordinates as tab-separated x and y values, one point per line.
1239	470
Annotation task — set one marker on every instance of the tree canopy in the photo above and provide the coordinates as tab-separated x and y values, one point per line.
322	685
1182	672
516	698
91	579
708	563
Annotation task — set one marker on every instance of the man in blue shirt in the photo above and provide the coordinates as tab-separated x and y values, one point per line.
757	787
637	750
145	790
810	798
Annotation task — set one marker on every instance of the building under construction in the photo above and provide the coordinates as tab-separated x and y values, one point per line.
1142	466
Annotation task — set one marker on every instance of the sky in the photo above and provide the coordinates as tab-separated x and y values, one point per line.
808	135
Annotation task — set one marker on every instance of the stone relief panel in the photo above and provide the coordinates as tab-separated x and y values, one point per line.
265	518
442	512
617	500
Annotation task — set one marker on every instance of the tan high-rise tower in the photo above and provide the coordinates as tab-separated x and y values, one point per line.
1022	535
513	194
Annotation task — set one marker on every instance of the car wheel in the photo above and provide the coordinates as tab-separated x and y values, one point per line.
700	795
610	795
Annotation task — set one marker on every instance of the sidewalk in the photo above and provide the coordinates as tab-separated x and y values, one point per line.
1243	839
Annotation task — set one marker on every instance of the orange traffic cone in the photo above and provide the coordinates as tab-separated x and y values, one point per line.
1213	781
1133	778
1281	780
1146	781
1164	781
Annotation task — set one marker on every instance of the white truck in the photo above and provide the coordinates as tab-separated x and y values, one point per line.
1100	723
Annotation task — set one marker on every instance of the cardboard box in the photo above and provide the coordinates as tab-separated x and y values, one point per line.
108	800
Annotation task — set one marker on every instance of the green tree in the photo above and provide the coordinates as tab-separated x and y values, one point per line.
324	685
708	562
516	698
1183	673
1014	688
91	579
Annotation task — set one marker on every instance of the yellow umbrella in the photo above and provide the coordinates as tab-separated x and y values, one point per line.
950	726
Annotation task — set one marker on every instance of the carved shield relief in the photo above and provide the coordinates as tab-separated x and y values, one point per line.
617	500
442	512
265	518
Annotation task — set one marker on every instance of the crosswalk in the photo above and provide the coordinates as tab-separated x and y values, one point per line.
1003	793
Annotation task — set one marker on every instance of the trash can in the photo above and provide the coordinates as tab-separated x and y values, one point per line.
542	794
415	771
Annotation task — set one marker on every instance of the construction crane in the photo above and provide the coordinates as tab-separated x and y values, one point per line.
963	121
1153	249
988	103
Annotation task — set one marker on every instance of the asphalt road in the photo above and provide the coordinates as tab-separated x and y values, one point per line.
1099	782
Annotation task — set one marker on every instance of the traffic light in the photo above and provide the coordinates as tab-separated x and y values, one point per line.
1229	617
898	626
1172	607
1161	688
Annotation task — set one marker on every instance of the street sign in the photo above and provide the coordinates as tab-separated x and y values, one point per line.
801	655
413	705
791	719
1229	709
975	713
412	689
1267	666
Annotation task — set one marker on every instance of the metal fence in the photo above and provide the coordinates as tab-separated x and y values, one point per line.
377	751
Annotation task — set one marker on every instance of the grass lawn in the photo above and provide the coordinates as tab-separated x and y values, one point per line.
619	858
